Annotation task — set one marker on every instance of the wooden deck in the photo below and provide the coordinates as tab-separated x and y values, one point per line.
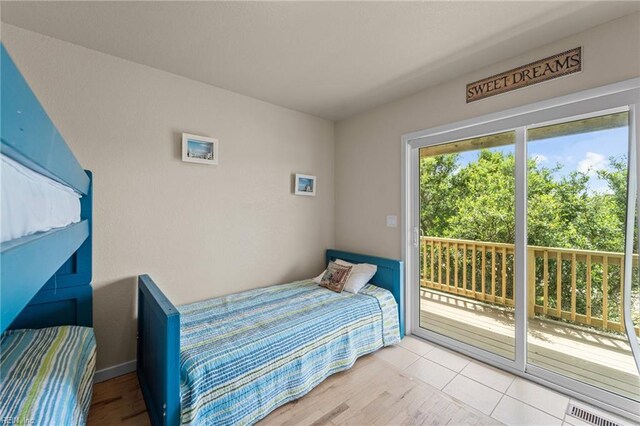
598	358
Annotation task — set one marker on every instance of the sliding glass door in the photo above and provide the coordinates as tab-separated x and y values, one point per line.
577	195
467	227
523	239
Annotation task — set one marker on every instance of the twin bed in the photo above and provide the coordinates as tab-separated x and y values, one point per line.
234	359
228	360
47	346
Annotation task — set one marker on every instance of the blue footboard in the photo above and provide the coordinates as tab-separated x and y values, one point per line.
158	361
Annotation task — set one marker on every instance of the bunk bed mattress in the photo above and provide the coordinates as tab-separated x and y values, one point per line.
246	354
32	202
47	375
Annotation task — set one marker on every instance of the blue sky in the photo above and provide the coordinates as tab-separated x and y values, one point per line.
585	152
199	147
304	182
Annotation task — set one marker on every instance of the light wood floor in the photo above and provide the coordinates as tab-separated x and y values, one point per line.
118	402
601	359
372	392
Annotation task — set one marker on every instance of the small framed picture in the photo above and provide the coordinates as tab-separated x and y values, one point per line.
305	185
199	149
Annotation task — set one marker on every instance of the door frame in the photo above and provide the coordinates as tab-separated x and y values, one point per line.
613	96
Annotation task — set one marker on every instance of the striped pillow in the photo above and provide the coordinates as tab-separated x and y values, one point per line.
335	277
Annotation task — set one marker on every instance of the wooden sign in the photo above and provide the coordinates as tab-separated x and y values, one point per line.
555	66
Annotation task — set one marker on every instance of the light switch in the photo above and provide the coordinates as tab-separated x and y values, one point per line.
392	221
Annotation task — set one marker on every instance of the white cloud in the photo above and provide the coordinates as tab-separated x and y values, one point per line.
592	162
539	158
600	187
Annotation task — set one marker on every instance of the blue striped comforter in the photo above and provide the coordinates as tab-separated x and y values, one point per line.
246	354
46	375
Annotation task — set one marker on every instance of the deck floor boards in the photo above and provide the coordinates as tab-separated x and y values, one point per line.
598	358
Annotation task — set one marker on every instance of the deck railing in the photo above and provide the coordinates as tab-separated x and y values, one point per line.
579	286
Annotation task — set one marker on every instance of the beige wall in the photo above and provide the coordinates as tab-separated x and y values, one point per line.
202	231
368	147
199	230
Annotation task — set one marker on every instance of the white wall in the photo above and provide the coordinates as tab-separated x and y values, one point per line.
368	145
198	230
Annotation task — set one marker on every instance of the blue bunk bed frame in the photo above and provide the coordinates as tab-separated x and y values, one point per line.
158	360
45	278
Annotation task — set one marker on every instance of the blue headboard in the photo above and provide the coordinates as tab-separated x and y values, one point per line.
390	276
45	277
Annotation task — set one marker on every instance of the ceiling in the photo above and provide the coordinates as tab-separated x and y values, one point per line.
329	59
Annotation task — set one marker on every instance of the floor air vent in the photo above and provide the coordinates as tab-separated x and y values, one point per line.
589	417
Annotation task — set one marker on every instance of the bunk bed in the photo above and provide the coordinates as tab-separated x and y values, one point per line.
234	359
47	343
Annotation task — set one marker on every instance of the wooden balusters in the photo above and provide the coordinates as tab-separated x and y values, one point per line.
545	281
559	285
490	260
605	291
588	308
493	274
573	287
531	282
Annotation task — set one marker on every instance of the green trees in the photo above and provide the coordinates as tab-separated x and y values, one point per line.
476	202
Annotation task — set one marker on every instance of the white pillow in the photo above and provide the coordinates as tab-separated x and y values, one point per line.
361	273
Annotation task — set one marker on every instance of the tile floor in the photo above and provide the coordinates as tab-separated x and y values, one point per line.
501	395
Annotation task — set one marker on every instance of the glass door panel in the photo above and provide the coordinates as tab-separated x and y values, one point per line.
467	235
576	215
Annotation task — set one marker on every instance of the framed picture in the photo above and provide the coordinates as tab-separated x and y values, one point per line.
305	185
199	149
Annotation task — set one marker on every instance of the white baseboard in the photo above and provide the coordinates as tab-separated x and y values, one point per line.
114	371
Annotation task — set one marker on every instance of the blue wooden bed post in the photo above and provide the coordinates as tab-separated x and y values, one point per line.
158	360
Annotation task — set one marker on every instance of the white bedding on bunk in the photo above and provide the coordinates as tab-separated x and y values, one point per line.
32	202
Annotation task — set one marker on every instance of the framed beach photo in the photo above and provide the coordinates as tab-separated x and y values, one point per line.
199	149
305	185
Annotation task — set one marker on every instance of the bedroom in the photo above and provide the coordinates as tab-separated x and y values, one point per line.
337	91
